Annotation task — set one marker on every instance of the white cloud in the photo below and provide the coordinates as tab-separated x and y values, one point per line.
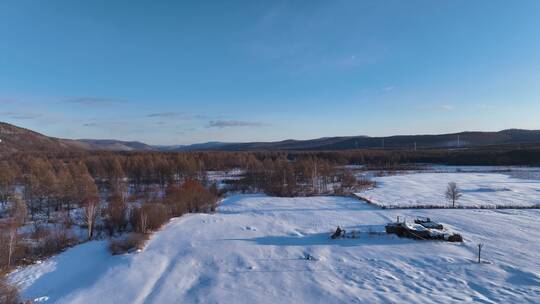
20	115
233	123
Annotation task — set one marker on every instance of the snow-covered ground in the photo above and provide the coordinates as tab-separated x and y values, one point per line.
222	177
253	251
478	189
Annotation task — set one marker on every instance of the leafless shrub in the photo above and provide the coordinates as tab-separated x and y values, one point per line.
364	184
8	293
115	214
131	242
50	242
191	196
348	180
149	217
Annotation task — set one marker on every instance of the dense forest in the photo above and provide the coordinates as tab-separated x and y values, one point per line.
52	201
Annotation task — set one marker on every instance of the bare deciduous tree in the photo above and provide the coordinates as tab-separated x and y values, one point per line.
143	221
17	217
90	215
348	180
7	182
8	293
452	193
115	219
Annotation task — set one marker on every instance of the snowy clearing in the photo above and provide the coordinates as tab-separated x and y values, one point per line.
478	189
254	251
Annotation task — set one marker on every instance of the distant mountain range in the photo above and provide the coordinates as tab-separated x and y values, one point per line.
14	139
441	141
108	145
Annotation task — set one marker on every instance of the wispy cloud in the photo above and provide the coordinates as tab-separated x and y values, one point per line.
20	115
447	107
94	101
176	115
169	115
6	101
233	123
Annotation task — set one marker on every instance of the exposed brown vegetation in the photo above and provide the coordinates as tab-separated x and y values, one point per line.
136	191
96	187
8	293
130	242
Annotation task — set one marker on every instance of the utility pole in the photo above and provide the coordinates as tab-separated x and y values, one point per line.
480	245
383	143
458	141
414	146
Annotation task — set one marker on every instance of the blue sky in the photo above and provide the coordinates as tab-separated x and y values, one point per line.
180	72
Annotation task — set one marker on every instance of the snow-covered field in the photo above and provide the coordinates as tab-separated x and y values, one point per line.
221	177
478	189
253	251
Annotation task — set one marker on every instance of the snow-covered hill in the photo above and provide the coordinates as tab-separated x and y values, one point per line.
253	251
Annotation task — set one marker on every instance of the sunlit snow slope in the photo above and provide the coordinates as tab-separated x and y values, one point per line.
253	251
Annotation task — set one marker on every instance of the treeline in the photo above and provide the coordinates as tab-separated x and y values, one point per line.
178	199
46	201
304	176
485	156
116	192
158	167
53	180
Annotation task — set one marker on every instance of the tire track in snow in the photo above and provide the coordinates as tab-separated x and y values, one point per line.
155	290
